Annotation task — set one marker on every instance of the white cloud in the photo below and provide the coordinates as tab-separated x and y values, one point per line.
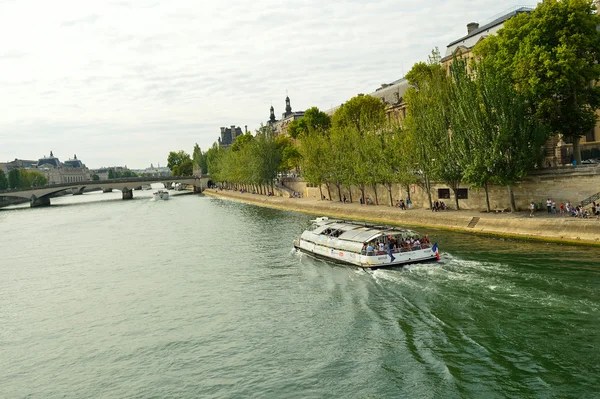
124	82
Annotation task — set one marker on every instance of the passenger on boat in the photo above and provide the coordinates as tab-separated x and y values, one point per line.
370	249
364	249
426	239
381	246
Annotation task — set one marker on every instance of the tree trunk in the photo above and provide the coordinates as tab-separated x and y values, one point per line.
390	193
350	193
455	191
321	192
511	198
328	191
375	191
339	187
487	197
362	191
576	150
428	188
408	191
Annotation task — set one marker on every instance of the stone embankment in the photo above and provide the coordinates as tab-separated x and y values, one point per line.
542	227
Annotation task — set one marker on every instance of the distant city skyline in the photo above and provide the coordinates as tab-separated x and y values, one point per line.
125	82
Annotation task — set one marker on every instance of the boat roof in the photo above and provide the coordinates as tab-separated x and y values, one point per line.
357	232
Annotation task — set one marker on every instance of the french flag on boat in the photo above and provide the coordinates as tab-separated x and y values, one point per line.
434	249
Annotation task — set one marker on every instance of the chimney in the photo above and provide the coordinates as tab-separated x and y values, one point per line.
471	27
222	130
246	129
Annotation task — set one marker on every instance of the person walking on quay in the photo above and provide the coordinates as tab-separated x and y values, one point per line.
531	209
562	209
549	205
553	207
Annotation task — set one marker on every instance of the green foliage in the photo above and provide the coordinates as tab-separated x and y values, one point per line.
21	178
241	141
199	159
177	158
361	113
313	120
95	177
14	178
3	181
551	57
186	168
117	174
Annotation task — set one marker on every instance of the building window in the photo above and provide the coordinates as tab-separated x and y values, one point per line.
443	193
462	193
590	136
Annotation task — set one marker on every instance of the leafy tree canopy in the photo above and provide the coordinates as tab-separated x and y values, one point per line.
551	56
177	158
313	120
362	113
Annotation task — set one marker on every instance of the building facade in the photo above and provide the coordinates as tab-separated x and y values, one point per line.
229	134
71	171
280	126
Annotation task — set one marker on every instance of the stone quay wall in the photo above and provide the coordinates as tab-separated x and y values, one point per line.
564	230
561	184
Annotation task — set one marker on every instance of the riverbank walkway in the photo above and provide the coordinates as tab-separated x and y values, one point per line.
543	226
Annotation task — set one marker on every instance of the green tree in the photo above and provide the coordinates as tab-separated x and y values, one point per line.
111	173
427	120
3	181
313	120
551	56
31	178
14	178
197	156
186	168
95	177
177	158
241	141
363	113
313	148
213	156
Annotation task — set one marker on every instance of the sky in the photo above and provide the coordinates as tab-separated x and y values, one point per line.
123	82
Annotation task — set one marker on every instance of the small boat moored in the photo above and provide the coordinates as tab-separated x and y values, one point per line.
364	245
161	195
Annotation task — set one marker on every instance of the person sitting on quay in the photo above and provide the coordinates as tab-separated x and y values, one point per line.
369	201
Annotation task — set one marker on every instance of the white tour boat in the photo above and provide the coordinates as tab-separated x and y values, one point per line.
161	195
364	245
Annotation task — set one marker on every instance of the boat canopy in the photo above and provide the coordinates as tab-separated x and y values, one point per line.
350	236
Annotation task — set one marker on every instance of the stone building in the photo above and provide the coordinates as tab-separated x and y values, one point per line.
392	95
6	167
229	134
71	171
281	126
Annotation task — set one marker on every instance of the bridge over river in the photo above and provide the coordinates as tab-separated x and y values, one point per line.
40	196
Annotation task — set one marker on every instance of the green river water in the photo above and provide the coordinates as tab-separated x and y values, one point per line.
198	297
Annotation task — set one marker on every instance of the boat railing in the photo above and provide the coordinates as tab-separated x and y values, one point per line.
396	250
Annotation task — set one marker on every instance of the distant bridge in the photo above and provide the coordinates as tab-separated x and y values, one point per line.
40	196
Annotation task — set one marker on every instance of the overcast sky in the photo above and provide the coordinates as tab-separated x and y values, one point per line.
122	82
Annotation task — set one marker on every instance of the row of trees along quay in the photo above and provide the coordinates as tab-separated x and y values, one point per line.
482	121
21	178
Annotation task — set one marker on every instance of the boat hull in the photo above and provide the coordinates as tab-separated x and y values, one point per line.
381	260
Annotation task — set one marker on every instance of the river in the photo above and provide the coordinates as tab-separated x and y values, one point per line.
204	297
